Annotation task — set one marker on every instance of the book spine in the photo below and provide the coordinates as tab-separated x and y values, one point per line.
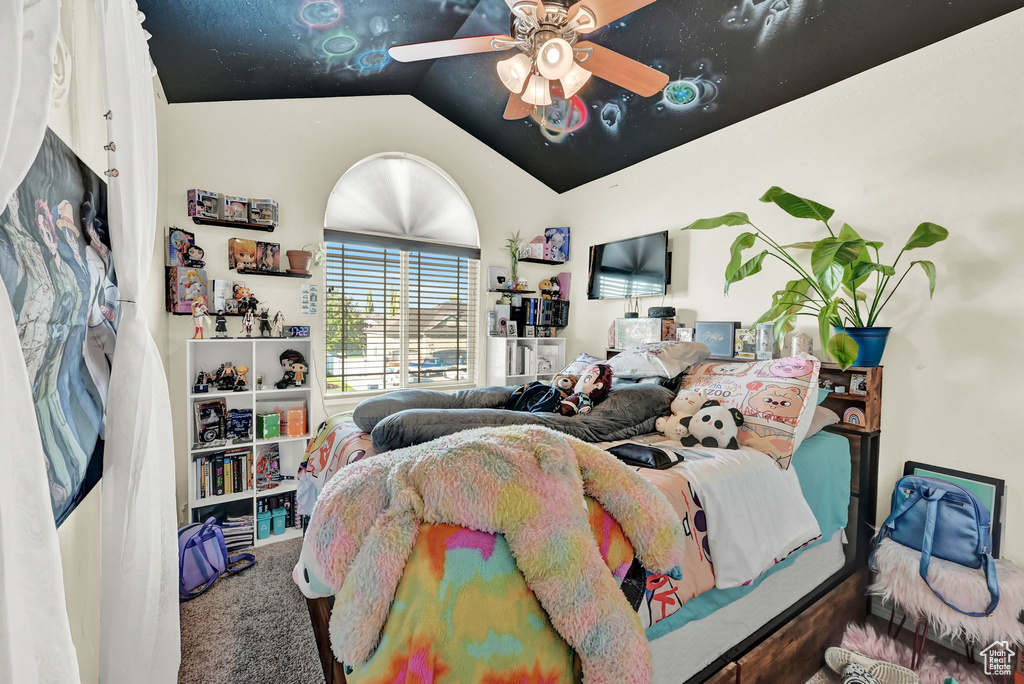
238	473
220	475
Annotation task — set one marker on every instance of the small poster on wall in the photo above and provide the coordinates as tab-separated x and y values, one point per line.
310	300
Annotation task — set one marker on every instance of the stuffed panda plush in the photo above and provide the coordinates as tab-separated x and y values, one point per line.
713	426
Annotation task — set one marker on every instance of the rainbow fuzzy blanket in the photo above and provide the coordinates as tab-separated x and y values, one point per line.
526	483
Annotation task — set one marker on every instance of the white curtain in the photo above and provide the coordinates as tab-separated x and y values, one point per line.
35	637
139	636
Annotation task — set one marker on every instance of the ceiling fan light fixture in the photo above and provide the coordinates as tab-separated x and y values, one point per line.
555	58
538	92
514	71
574	80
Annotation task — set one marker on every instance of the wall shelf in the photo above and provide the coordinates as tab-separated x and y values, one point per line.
546	262
518	292
279	274
199	221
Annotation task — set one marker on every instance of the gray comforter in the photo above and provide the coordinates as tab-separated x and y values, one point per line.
401	419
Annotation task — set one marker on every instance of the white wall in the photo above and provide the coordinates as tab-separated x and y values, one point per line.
295	151
936	135
79	122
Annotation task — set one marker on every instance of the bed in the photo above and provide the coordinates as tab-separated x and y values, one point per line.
743	634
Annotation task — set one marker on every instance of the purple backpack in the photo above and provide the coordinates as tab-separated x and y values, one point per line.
203	557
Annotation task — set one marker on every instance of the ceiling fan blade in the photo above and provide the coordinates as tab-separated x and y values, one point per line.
516	108
620	70
603	11
414	52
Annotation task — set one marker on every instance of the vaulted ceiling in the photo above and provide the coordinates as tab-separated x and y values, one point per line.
726	60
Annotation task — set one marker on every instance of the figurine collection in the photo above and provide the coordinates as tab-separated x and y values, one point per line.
227	378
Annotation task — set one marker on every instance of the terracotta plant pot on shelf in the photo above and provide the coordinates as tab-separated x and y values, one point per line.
299	260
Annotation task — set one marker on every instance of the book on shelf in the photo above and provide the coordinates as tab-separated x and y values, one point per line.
223	472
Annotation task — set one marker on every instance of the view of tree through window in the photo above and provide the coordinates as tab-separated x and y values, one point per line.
398	319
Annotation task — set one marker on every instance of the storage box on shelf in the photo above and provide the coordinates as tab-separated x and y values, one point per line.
518	360
236	462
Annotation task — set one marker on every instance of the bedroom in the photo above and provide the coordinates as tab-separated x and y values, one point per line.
916	124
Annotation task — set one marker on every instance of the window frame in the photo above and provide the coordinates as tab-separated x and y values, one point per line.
406	247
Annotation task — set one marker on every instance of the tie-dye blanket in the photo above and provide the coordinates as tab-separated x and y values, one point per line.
463	613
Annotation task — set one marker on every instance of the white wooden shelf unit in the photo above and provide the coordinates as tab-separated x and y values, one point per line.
507	365
262	356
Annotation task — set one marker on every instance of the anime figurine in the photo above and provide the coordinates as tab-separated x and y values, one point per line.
225	376
193	285
221	328
245	298
248	321
241	384
264	323
241	253
202	384
295	366
194	257
200	317
278	326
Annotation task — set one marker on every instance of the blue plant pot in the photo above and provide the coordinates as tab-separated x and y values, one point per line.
871	344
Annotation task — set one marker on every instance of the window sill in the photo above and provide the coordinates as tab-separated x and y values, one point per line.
348	400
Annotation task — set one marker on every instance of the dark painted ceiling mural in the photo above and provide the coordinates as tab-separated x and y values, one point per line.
726	60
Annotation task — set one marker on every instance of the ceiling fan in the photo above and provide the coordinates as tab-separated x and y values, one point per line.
547	34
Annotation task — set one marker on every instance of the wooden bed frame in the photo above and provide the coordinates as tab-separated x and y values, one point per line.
790	648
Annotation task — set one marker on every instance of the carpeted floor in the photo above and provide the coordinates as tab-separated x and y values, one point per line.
252	627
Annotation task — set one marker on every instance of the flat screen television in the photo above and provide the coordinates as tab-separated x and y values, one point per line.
635	267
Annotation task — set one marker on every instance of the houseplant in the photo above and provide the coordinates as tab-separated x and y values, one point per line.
300	260
843	284
513	244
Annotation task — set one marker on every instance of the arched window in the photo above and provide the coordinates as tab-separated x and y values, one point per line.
402	268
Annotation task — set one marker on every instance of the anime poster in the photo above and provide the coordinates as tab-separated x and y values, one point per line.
58	268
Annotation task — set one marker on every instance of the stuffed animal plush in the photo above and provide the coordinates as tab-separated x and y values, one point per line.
713	426
686	403
590	390
565	382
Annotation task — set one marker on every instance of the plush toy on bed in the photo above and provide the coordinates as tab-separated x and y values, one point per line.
686	403
590	390
565	382
713	426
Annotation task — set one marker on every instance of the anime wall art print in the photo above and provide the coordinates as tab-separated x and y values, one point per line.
58	269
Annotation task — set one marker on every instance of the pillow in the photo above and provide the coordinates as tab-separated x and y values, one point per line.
662	359
671	384
777	399
582	363
821	419
823	395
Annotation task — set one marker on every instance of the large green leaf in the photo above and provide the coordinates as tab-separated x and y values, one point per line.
829	260
926	235
735	218
784	324
825	321
749	268
847	232
929	269
862	269
861	295
799	207
801	245
843	349
743	241
795	294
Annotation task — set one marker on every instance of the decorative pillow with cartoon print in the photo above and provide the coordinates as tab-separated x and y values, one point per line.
777	399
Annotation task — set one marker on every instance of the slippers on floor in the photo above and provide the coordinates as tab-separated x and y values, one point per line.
886	673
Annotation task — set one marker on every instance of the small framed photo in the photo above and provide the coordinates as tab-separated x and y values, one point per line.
859	384
529	331
746	343
511	329
684	334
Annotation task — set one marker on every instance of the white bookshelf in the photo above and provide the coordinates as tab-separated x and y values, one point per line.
262	356
507	365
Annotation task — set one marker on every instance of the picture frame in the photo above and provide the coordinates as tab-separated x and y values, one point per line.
511	329
719	336
685	334
529	331
859	384
991	491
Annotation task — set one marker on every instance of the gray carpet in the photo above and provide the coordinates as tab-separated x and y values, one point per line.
252	627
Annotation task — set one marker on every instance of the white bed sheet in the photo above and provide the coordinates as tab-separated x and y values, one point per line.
681	654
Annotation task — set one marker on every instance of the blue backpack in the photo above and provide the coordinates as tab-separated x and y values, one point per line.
944	520
535	397
203	557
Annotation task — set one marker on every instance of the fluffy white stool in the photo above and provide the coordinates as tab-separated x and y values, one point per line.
899	580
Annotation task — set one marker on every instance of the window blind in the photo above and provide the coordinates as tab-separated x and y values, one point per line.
397	318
